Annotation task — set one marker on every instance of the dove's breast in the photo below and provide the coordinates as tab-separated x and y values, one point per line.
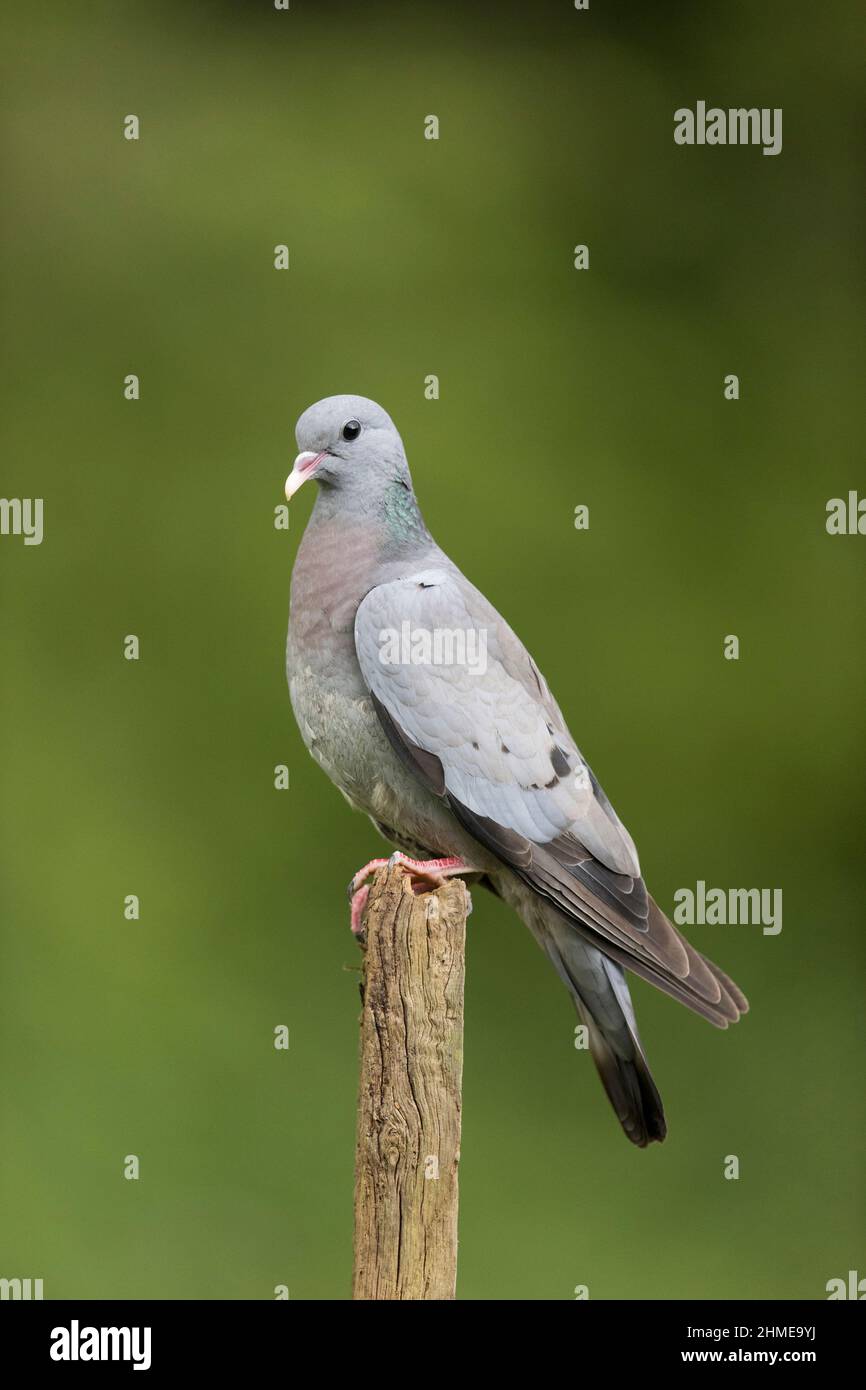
331	703
335	567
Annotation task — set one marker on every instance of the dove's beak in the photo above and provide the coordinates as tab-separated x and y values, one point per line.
303	468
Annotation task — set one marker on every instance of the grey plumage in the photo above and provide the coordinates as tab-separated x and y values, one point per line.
448	760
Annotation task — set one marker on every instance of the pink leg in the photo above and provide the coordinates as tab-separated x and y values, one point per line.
359	902
424	874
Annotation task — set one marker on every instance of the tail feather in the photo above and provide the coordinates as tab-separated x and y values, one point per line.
601	997
630	1088
731	1005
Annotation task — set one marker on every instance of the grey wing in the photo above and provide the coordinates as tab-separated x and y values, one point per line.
484	733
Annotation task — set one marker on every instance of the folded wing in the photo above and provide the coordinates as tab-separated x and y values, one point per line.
466	708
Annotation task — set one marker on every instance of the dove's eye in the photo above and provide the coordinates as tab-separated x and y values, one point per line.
351	429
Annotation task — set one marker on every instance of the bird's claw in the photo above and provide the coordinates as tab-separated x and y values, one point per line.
424	876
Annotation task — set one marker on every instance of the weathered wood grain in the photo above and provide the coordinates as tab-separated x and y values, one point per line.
409	1103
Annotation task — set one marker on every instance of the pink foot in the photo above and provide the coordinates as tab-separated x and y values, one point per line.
424	874
356	909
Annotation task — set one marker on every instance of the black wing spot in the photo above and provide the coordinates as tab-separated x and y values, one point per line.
559	762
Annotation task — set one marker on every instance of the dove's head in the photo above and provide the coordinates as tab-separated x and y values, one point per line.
350	444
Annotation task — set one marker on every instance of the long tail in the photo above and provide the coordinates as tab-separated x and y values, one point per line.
601	997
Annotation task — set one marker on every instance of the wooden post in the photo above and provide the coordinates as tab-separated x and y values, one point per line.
409	1100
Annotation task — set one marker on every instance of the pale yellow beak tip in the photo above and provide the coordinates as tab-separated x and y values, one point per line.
303	468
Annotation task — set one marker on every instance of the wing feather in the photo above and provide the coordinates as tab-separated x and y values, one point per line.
480	728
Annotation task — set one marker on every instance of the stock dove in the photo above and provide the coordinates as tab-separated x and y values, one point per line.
428	713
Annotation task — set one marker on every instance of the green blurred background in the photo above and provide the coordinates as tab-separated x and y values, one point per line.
558	387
